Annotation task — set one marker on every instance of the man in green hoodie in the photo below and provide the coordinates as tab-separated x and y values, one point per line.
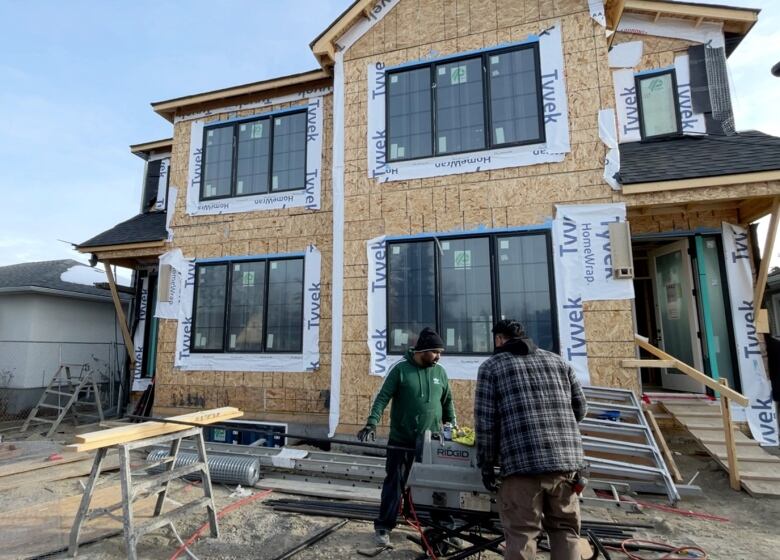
420	391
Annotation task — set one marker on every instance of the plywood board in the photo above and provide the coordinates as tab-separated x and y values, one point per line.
27	463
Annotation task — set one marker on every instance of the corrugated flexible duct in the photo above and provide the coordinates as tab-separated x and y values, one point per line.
224	469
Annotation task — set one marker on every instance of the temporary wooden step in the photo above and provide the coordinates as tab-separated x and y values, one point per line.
759	471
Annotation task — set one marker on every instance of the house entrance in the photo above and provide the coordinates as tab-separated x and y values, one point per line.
682	306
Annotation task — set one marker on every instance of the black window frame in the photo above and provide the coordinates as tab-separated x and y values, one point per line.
234	124
486	105
495	282
678	117
226	317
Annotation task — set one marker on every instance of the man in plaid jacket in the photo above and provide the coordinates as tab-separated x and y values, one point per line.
527	408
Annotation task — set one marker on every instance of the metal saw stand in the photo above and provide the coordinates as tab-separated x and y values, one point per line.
145	486
469	527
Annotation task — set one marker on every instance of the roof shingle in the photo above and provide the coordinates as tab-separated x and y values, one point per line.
138	229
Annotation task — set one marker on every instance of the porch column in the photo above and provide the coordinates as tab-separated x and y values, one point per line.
120	313
769	247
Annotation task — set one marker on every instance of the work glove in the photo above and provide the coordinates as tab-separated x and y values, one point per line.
369	432
489	478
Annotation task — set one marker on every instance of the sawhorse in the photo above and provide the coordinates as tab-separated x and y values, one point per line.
148	485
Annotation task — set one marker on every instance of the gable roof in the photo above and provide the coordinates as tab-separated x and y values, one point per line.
143	228
688	157
47	277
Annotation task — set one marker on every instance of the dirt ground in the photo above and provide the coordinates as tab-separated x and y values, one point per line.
255	531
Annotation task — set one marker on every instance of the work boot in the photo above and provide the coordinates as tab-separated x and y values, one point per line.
382	537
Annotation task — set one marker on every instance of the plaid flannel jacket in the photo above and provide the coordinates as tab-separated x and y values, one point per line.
526	411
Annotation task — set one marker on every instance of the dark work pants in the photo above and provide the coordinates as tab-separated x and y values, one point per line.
397	467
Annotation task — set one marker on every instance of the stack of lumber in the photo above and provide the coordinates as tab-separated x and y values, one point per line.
146	430
759	471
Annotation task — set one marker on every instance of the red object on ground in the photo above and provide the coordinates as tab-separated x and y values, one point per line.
55	457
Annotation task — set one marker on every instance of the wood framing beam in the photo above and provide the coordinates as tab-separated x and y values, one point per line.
122	247
120	315
635	211
134	432
769	247
673	9
323	46
629	363
753	209
728	432
639	188
739	398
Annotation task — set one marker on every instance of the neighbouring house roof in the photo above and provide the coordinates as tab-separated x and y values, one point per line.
64	277
688	157
143	228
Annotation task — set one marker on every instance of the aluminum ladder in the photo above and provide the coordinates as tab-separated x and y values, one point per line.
79	389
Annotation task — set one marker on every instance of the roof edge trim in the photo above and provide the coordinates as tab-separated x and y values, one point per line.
696	182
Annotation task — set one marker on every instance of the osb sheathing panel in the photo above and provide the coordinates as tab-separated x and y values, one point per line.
682	221
507	197
268	396
736	192
657	52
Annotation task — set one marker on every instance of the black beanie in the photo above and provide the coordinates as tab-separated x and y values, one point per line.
428	340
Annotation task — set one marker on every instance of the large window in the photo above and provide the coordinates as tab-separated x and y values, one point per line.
249	306
258	156
466	104
462	286
658	107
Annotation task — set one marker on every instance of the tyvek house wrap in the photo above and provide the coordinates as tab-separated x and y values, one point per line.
180	306
308	196
555	105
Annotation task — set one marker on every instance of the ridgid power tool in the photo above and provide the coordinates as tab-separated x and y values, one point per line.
448	477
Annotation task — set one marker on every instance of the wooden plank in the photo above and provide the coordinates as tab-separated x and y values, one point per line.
120	314
660	440
135	432
59	472
763	271
646	363
728	429
691	372
45	527
320	490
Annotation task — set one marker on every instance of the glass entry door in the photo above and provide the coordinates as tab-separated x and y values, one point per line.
677	319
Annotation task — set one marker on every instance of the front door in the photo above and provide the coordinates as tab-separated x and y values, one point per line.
675	308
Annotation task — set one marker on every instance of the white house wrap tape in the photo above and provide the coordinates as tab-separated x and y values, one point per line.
583	272
170	309
307	360
626	55
692	123
761	413
173	192
608	135
162	184
626	105
556	126
308	196
369	19
705	32
596	8
140	384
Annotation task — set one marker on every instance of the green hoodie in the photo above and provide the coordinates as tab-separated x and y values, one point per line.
421	400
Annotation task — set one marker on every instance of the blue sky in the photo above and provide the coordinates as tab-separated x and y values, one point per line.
77	77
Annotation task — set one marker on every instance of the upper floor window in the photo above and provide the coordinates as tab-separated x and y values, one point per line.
461	286
476	102
258	156
248	306
659	110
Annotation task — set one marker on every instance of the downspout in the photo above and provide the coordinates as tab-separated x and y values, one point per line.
337	281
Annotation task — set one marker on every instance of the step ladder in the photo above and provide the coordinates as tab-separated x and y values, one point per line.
79	389
144	483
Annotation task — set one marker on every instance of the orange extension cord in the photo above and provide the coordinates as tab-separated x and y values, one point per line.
227	509
415	524
671	554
